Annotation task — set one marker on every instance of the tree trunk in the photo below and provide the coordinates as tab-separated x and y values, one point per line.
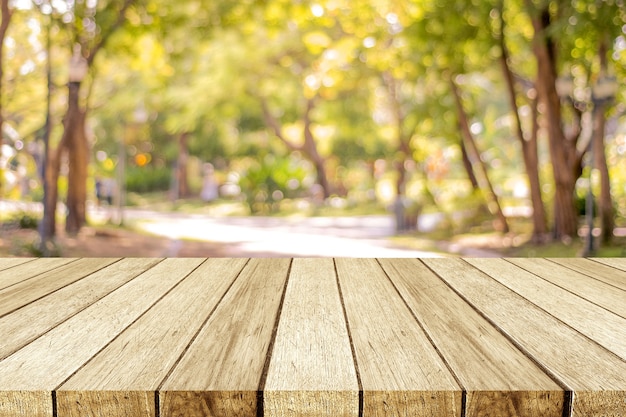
474	154
78	153
310	149
531	162
467	164
605	202
47	228
53	166
4	26
529	148
562	150
181	165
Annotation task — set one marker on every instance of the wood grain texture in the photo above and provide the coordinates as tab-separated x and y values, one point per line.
400	370
405	403
28	270
6	263
604	404
106	403
578	313
619	263
34	319
26	404
514	403
24	292
605	273
226	360
139	359
489	366
559	349
208	403
595	291
311	372
48	361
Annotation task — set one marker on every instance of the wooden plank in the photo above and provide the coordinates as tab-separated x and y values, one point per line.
31	321
595	374
25	292
605	273
48	361
26	403
400	371
220	373
311	371
593	290
619	263
6	263
122	379
28	270
499	379
573	310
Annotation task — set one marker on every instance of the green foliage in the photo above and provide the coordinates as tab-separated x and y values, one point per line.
202	67
147	179
270	179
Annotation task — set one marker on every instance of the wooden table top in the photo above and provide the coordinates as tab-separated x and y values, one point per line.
312	337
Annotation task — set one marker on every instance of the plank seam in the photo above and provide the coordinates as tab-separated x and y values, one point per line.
195	336
39	273
58	289
430	340
23	263
595	342
586	274
568	404
77	312
598	261
55	412
125	328
565	289
157	404
510	338
352	349
260	409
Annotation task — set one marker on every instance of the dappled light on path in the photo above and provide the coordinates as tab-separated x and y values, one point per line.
258	236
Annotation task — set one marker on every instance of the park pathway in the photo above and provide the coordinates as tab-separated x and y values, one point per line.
361	236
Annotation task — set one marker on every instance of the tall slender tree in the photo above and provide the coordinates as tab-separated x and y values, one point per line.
5	20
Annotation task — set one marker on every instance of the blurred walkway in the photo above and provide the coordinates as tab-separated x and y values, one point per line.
363	236
357	236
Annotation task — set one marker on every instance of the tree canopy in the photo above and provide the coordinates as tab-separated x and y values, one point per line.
432	90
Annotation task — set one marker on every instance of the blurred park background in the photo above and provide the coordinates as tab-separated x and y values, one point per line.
312	128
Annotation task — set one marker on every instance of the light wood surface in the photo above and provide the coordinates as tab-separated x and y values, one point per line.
560	350
45	363
27	270
578	313
6	263
398	366
597	270
312	348
312	337
597	292
619	263
495	374
136	362
27	291
34	319
226	360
